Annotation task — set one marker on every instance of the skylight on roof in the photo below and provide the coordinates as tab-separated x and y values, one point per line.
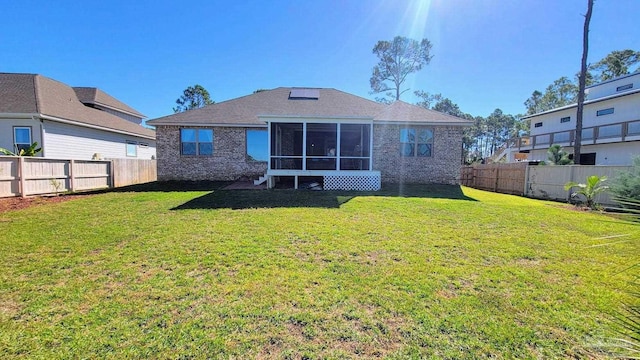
304	94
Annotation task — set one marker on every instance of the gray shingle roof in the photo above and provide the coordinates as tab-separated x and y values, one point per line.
32	93
91	95
331	103
404	112
18	93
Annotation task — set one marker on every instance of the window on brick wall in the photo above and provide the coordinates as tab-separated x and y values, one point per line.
257	145
416	142
198	142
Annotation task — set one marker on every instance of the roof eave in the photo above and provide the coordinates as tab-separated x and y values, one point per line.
429	123
18	115
338	117
103	128
196	124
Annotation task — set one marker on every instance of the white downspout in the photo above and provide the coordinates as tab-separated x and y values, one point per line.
41	135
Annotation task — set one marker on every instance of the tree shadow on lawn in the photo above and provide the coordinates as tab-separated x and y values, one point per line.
277	198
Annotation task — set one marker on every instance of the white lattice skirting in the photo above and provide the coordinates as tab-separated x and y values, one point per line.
368	182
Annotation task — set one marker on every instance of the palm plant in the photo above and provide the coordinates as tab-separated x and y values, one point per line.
590	189
30	151
557	156
628	319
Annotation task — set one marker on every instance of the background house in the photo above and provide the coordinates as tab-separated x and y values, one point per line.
611	126
70	123
337	139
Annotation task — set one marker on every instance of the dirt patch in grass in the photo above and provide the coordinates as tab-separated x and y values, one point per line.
571	207
9	308
17	203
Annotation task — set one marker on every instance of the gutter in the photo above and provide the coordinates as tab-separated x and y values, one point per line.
429	123
56	119
18	115
208	125
315	117
41	136
70	122
375	122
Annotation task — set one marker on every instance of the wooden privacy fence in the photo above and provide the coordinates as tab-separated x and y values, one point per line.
502	178
133	171
24	176
537	181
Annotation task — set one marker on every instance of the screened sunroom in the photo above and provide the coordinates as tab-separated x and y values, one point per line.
337	153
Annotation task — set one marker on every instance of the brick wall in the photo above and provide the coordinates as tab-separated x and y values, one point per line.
442	167
228	162
229	157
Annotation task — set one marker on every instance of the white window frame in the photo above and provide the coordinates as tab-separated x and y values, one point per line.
246	145
416	143
15	142
131	145
198	142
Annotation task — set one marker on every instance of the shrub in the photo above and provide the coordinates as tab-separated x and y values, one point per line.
627	184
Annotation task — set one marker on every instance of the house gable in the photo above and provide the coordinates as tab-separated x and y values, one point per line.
43	106
96	98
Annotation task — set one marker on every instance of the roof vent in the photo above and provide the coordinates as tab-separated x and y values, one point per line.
304	94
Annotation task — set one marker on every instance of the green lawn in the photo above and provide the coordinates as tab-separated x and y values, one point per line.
439	272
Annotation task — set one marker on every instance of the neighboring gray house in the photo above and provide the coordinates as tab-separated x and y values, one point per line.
69	122
323	135
610	127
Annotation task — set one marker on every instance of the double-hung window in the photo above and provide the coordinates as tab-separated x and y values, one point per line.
197	142
21	138
132	148
416	142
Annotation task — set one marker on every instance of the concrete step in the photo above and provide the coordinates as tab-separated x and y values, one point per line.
260	180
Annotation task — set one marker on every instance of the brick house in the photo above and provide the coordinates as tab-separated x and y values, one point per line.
293	135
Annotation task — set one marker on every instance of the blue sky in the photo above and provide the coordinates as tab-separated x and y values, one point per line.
487	53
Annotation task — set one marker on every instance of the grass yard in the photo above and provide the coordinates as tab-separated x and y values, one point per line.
439	272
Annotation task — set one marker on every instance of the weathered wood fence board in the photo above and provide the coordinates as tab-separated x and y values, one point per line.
503	178
24	176
543	182
132	171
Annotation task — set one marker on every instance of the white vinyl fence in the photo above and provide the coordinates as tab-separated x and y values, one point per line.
24	176
537	181
547	182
